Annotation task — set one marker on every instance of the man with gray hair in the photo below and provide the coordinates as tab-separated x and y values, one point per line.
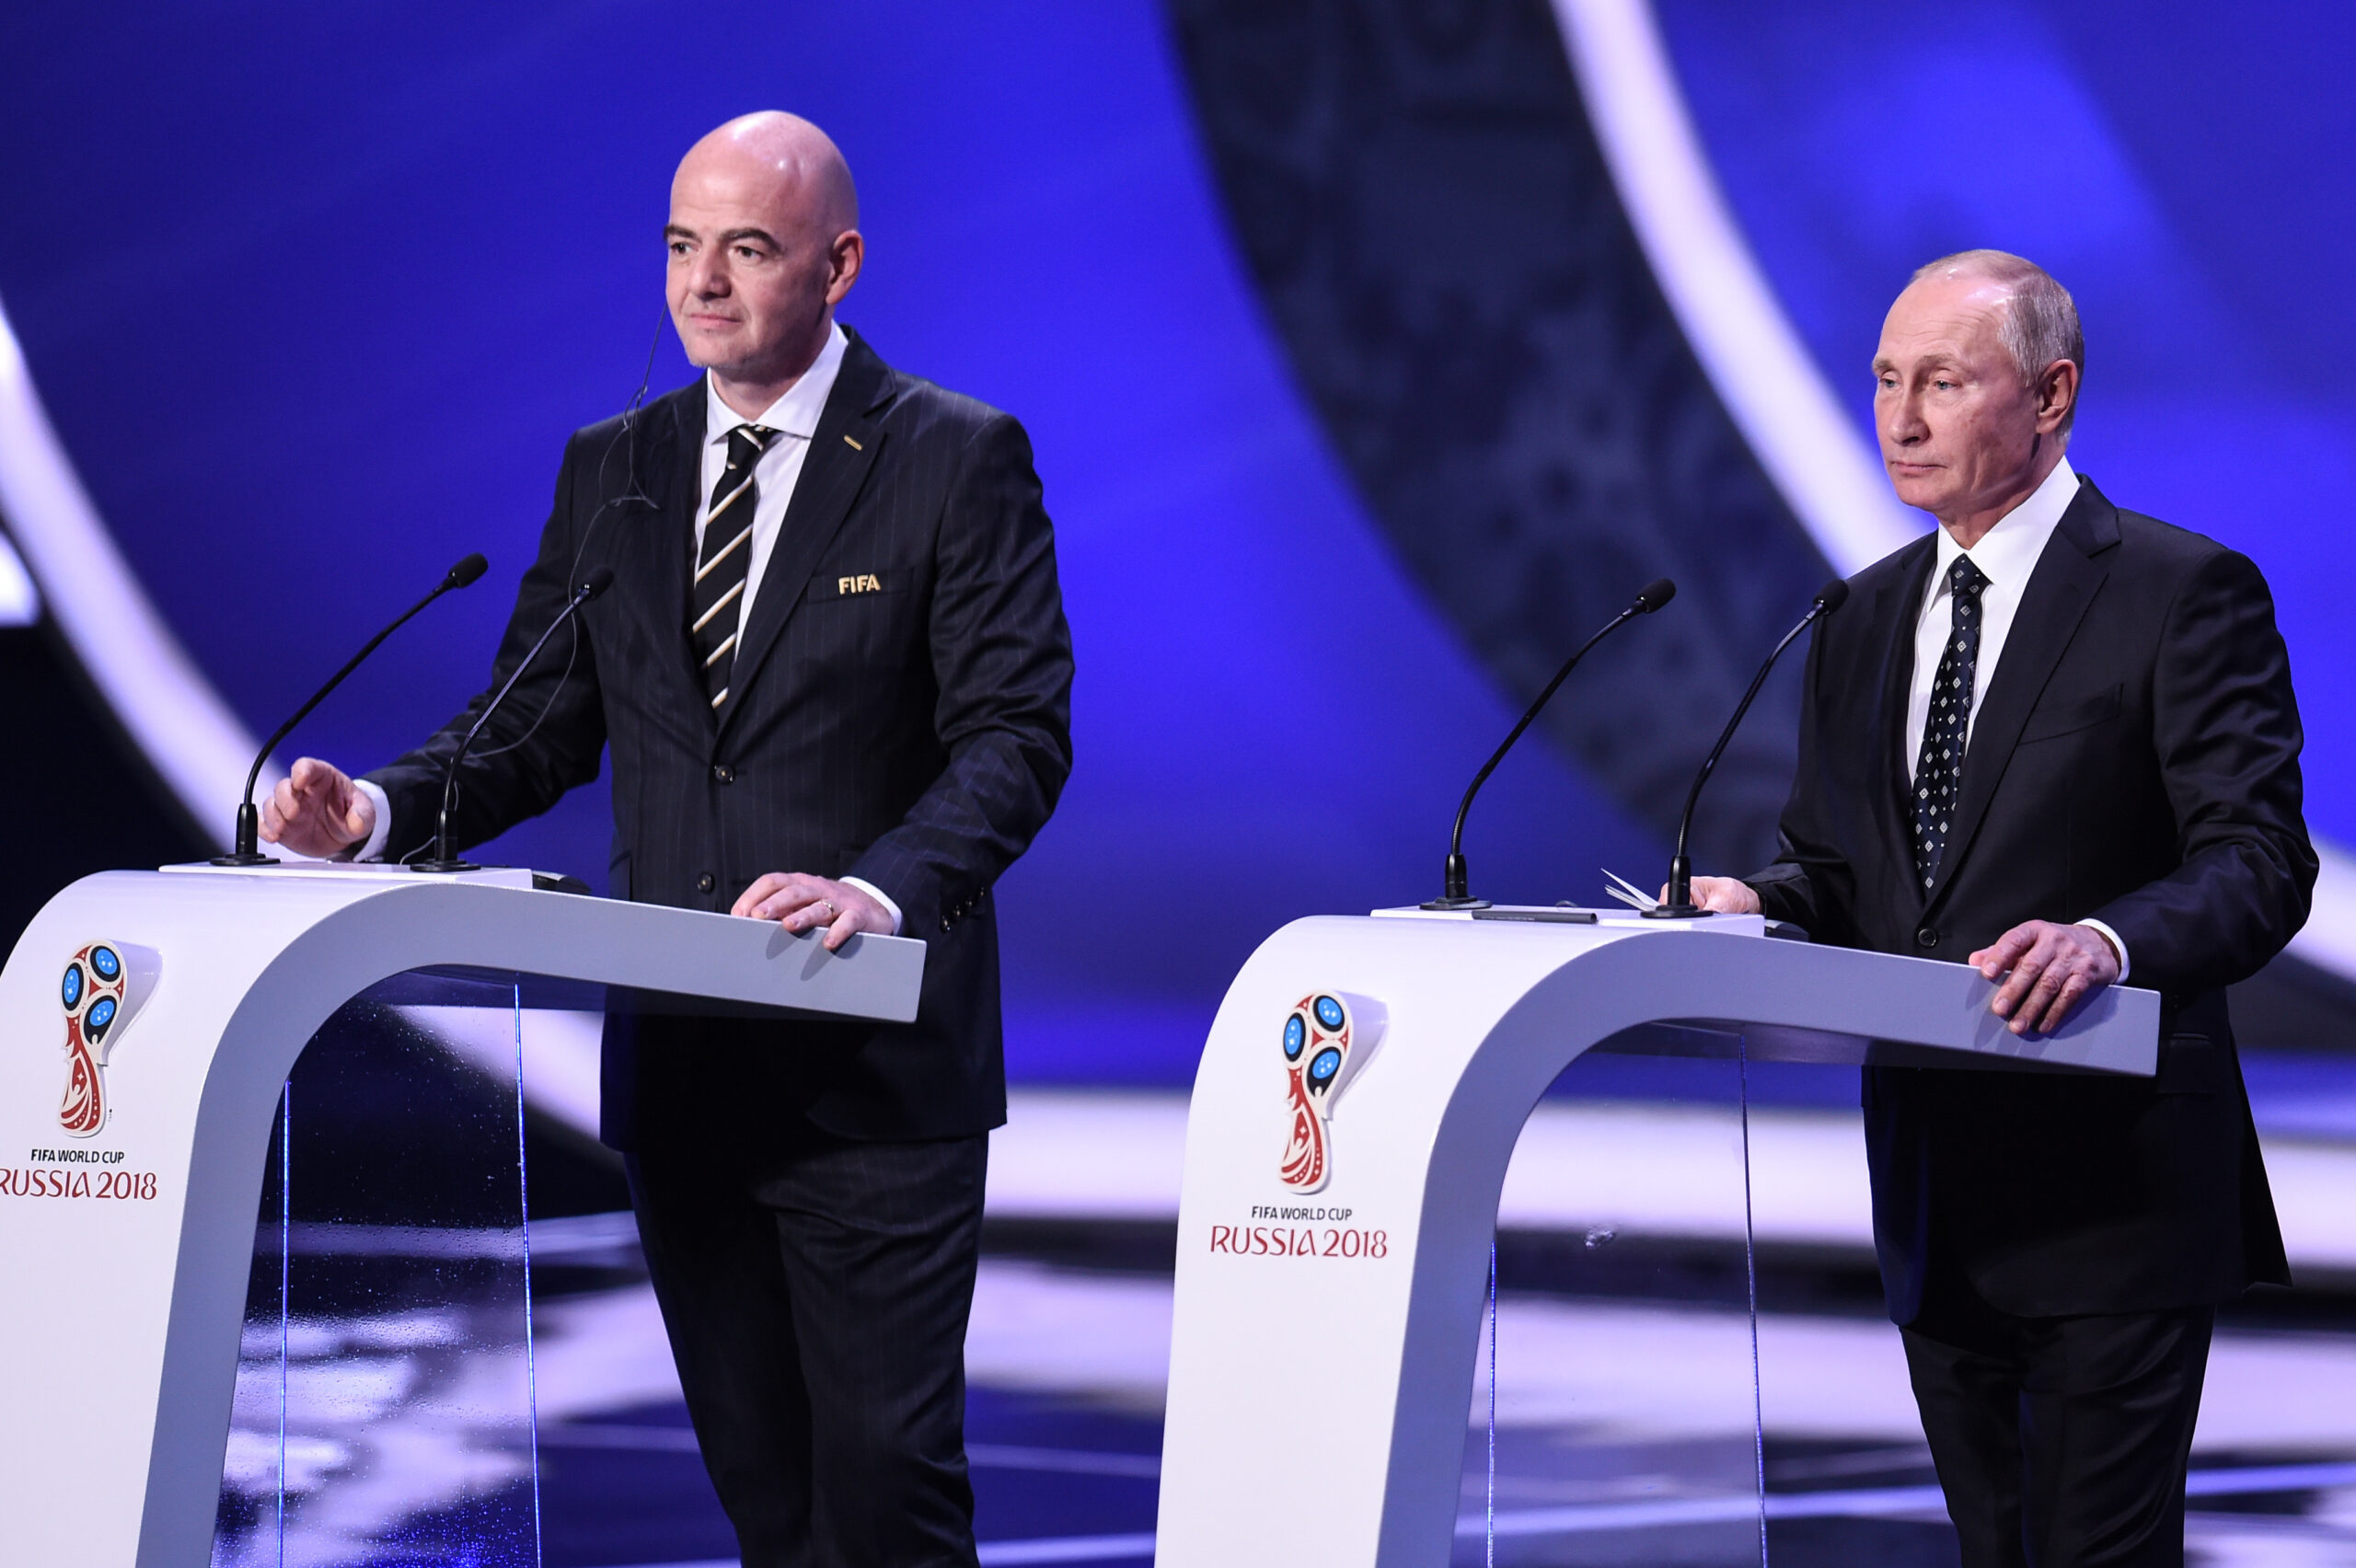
2057	741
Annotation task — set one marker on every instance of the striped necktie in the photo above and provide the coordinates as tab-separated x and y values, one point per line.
716	602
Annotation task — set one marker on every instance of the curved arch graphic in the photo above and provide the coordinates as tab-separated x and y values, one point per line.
187	732
1762	374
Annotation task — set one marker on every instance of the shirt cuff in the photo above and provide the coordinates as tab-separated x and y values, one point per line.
885	899
372	848
2117	946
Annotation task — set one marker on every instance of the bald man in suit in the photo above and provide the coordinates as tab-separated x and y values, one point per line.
834	675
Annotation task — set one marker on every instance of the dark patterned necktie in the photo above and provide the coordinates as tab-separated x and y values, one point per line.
1939	768
716	604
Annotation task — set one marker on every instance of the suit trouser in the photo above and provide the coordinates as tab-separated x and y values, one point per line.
817	1299
2062	1442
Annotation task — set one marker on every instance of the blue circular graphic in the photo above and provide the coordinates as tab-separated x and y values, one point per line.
71	990
1296	1036
101	1015
104	960
1324	1064
1329	1012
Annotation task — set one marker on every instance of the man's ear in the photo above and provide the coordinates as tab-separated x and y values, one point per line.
2057	394
844	258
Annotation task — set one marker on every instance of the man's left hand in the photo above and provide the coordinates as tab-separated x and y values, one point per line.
802	902
2053	969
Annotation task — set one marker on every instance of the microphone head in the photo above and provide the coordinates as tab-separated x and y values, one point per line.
597	582
466	571
1658	592
1833	596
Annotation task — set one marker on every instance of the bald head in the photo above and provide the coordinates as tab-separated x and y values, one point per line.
799	162
764	241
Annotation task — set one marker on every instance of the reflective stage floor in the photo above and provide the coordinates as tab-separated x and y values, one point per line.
1623	1406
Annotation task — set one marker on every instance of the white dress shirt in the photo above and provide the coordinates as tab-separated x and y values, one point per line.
795	417
2007	556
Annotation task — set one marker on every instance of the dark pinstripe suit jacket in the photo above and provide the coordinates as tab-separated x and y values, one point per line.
900	712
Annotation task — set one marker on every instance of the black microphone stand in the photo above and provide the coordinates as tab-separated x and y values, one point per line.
248	840
445	858
1680	904
1454	879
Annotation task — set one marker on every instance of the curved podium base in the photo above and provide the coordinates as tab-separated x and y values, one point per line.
1328	1301
132	1145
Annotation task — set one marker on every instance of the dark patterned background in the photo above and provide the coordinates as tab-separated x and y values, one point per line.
1436	238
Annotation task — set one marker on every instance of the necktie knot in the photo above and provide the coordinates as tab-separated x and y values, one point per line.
746	443
1965	579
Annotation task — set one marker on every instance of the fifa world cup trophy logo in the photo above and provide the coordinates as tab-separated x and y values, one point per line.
93	993
1326	1041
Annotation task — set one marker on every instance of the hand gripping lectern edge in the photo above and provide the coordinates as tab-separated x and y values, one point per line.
120	1320
1317	1401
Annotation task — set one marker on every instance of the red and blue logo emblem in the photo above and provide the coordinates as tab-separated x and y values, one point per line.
95	992
1324	1045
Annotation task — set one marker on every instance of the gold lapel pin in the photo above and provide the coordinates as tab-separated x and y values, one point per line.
854	445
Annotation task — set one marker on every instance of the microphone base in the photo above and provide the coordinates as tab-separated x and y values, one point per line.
1677	912
443	867
245	860
1446	902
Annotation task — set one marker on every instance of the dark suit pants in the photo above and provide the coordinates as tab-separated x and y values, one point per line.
2062	1442
817	1299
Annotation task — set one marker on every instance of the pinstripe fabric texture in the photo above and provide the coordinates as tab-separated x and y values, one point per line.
898	711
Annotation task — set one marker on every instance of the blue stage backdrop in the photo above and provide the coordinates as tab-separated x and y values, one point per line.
2181	167
314	295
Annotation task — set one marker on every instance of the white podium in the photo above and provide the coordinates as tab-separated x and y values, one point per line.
1358	1102
150	1019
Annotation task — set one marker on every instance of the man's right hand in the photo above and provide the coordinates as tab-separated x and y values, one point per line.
1722	895
315	811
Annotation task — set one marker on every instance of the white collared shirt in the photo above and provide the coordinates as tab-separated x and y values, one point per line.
795	419
2007	556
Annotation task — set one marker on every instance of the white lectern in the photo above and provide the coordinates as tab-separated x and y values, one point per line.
1357	1102
150	1018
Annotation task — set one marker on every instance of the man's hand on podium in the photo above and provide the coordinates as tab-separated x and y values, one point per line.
2053	969
802	902
315	811
1722	895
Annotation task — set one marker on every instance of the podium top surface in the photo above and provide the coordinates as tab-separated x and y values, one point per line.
376	921
1726	985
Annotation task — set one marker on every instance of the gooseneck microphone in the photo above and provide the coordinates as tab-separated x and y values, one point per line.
1680	904
599	579
248	839
1454	881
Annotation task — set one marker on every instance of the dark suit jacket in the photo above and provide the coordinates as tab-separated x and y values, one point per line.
2135	760
899	711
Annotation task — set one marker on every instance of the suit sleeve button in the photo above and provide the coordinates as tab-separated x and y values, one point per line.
724	773
706	883
1926	937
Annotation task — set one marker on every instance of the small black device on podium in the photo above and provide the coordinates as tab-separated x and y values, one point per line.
446	859
248	840
1455	892
1680	904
